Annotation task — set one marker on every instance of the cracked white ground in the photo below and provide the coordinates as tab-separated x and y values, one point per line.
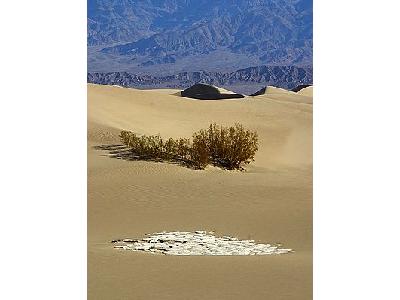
197	243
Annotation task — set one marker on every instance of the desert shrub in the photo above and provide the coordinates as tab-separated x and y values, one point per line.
125	137
200	150
228	147
170	149
183	148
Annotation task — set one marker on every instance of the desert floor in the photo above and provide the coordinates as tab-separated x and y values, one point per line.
270	202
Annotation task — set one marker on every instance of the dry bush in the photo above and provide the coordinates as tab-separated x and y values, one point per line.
200	150
228	147
183	148
125	137
170	149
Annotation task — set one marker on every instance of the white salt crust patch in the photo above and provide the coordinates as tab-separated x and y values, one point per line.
197	243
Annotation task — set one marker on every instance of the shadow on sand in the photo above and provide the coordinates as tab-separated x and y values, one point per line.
119	151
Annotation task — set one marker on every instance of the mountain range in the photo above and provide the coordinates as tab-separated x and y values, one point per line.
169	37
244	81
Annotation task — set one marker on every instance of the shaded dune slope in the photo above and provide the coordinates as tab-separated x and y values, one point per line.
208	92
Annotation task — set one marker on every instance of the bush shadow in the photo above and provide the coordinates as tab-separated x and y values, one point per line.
119	151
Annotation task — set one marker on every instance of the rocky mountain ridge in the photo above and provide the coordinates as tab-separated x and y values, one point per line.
245	81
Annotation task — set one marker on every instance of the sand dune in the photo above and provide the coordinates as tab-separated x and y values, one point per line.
175	92
279	94
203	91
270	202
308	91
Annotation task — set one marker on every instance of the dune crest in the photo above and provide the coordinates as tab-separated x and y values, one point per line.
307	91
282	95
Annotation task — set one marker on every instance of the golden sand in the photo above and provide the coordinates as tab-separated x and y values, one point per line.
271	202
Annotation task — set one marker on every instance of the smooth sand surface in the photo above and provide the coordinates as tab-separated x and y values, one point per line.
270	202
